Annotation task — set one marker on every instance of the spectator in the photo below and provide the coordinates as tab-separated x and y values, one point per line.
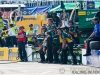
30	34
47	15
12	35
56	19
64	19
21	44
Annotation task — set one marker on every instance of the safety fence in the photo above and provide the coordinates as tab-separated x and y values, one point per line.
11	54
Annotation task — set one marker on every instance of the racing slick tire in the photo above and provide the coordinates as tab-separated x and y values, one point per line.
95	45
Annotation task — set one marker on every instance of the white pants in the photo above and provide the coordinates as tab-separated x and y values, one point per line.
65	23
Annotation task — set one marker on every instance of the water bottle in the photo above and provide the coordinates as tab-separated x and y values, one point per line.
14	46
35	31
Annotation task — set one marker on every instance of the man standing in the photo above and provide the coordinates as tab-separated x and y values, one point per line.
12	35
30	34
95	36
73	32
56	19
66	39
49	42
56	43
21	44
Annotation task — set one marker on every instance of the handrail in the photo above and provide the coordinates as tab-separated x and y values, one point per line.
73	11
12	14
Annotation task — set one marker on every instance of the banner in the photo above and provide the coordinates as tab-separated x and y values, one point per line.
4	53
34	10
29	11
10	54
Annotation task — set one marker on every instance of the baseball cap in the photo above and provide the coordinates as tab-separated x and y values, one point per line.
53	26
30	25
22	27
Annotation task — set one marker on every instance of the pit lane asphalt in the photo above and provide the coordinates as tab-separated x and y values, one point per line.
35	68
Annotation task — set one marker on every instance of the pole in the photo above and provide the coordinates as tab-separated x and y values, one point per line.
19	13
81	5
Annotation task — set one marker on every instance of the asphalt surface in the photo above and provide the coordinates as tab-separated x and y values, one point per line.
35	68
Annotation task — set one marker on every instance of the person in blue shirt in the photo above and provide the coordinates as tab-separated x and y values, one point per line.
95	36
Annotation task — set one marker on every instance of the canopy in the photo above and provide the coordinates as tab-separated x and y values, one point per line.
68	6
97	4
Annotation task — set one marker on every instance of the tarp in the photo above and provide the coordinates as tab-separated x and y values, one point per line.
33	10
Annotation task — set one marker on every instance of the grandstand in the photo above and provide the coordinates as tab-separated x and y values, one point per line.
7	6
31	3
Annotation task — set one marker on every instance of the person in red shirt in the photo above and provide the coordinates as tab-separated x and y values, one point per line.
21	44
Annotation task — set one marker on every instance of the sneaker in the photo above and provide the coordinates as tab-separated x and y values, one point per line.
87	54
41	62
64	63
55	62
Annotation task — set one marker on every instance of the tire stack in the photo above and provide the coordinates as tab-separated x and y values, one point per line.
95	45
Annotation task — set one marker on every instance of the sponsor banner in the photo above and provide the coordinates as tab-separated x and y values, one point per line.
34	10
10	54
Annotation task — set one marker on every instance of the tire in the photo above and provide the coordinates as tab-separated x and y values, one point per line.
95	45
